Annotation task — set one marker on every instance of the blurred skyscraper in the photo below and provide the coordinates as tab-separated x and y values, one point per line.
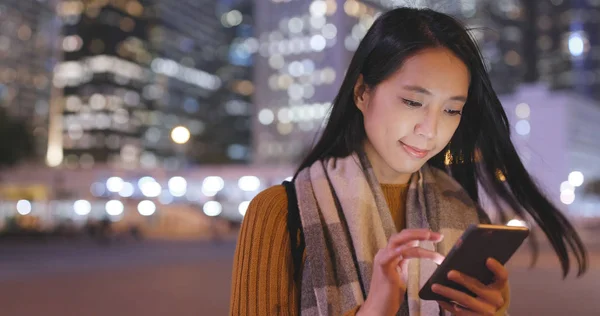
102	75
568	45
204	69
305	47
497	26
29	32
154	83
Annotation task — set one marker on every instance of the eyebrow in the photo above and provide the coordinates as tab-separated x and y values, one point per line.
422	90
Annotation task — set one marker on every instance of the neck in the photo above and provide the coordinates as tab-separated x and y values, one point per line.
384	173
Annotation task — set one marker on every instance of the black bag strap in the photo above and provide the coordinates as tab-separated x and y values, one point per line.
294	226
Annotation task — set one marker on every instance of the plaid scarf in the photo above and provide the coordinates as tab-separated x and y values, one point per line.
346	220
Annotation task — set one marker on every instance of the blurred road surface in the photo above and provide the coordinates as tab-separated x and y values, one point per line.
156	278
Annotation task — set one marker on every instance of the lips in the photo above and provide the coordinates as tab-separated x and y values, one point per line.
414	151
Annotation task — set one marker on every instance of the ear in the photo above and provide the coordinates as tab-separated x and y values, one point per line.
361	94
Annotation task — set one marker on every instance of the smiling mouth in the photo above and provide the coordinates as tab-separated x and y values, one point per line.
414	151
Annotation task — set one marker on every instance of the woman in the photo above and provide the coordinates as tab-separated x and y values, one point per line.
415	129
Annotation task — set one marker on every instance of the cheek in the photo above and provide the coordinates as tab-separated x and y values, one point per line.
383	122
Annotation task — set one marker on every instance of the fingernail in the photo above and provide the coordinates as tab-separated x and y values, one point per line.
435	287
453	274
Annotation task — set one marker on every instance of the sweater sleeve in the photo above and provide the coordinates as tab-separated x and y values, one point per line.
262	278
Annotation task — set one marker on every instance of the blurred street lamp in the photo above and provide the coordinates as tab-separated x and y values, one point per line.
180	135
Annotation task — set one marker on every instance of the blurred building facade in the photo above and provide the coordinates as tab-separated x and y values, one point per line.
28	53
102	77
203	77
134	73
306	46
568	46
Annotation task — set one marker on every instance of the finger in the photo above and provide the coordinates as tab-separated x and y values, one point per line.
455	309
421	253
464	299
500	273
461	311
408	244
388	256
447	306
407	235
490	295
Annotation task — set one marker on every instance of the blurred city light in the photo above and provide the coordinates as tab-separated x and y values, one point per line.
577	43
318	8
523	111
232	18
566	186
146	208
523	128
192	76
23	207
243	207
177	186
567	197
150	188
82	207
114	184
143	180
114	207
54	155
249	183
127	190
180	135
212	185
212	208
576	178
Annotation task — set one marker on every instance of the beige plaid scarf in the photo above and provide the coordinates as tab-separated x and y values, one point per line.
346	220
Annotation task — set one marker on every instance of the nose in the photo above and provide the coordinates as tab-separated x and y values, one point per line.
427	127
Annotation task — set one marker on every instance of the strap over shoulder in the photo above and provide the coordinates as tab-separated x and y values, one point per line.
294	226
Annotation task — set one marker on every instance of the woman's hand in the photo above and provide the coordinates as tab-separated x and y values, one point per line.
388	281
489	298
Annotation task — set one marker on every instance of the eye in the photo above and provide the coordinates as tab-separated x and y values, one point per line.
411	103
454	112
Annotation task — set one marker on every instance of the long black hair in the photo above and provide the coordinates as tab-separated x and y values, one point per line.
481	150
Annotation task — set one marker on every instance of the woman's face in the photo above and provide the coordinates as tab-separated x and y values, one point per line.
411	116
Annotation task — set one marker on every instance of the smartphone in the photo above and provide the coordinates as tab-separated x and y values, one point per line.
470	253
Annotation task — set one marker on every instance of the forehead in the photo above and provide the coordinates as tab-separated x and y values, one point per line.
435	69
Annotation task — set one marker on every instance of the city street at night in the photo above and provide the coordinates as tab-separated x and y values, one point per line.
134	131
192	278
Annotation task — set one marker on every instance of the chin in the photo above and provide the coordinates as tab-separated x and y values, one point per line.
407	169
